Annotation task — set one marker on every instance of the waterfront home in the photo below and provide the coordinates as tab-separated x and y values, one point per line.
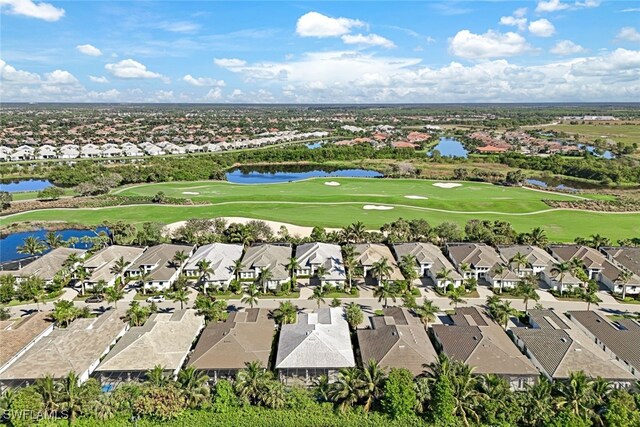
267	257
225	347
321	257
164	340
472	338
557	349
77	348
317	344
618	338
48	265
430	262
157	267
397	340
221	258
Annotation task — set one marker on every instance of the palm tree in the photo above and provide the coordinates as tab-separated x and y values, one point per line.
455	297
53	239
527	289
143	278
72	395
31	246
347	389
204	272
385	291
538	237
499	272
539	404
322	388
349	261
250	381
354	315
355	232
82	274
321	271
292	266
33	289
193	384
577	394
119	267
427	312
373	378
137	314
597	241
181	296
179	258
114	294
318	295
48	388
212	309
561	269
408	268
624	277
590	297
263	279
381	269
64	312
444	276
502	312
252	295
71	261
157	377
237	268
519	260
286	313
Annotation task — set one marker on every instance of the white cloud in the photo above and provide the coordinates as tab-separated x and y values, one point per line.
178	26
514	21
202	81
491	44
542	28
44	11
130	69
566	47
314	24
368	40
10	74
60	77
551	6
213	94
163	96
229	62
520	12
631	10
88	49
109	95
101	79
628	34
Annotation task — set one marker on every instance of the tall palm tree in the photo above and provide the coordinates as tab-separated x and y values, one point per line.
354	315
444	275
237	268
250	381
502	312
292	266
251	295
82	274
455	297
427	312
286	313
538	237
181	296
143	278
561	269
597	241
467	396
179	258
53	239
118	268
408	268
381	269
114	294
137	314
577	394
385	291
355	232
193	384
212	309
519	260
157	376
539	402
263	279
49	389
590	297
318	295
204	272
31	245
373	378
624	277
321	271
527	290
347	389
64	312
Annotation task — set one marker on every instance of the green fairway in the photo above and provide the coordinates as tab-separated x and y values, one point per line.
627	133
312	202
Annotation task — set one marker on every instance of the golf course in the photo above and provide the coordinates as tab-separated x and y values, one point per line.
337	202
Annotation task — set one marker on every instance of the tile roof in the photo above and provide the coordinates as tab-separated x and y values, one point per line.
629	257
397	340
102	261
222	257
15	335
426	253
535	256
318	340
274	257
160	256
325	254
474	254
246	336
48	264
368	254
164	339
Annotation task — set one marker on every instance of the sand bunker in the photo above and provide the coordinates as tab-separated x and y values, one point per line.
332	183
191	193
377	208
416	197
447	184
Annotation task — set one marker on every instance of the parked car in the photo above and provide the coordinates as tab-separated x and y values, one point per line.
94	299
157	298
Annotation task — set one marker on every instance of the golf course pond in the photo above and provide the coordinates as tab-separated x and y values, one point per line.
272	175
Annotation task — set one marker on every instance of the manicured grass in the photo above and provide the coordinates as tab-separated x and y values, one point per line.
32	195
627	134
311	203
290	295
48	298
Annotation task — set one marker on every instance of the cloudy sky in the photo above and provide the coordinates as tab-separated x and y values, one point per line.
320	52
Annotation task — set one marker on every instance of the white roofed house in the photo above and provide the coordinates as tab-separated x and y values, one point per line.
192	148
157	267
322	259
430	262
130	150
211	147
21	154
219	260
111	151
152	149
46	152
69	151
501	278
174	149
109	264
90	151
317	344
266	257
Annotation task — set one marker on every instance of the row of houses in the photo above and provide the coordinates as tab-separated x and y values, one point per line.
147	148
501	268
319	343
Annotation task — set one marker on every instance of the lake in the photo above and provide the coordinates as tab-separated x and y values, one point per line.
597	152
450	147
560	184
9	244
314	145
24	185
271	175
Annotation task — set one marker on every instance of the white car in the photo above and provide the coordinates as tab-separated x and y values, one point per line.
157	298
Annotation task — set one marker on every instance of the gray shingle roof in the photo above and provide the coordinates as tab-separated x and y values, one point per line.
48	264
325	254
274	257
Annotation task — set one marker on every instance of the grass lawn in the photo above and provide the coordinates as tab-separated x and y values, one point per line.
337	294
48	298
311	202
626	133
291	295
32	195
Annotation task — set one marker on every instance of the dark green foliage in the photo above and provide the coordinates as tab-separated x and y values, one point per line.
399	396
224	398
443	403
50	193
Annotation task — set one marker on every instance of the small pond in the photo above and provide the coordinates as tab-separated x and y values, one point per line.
450	147
24	185
270	175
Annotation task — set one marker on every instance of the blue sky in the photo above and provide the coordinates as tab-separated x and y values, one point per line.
320	52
